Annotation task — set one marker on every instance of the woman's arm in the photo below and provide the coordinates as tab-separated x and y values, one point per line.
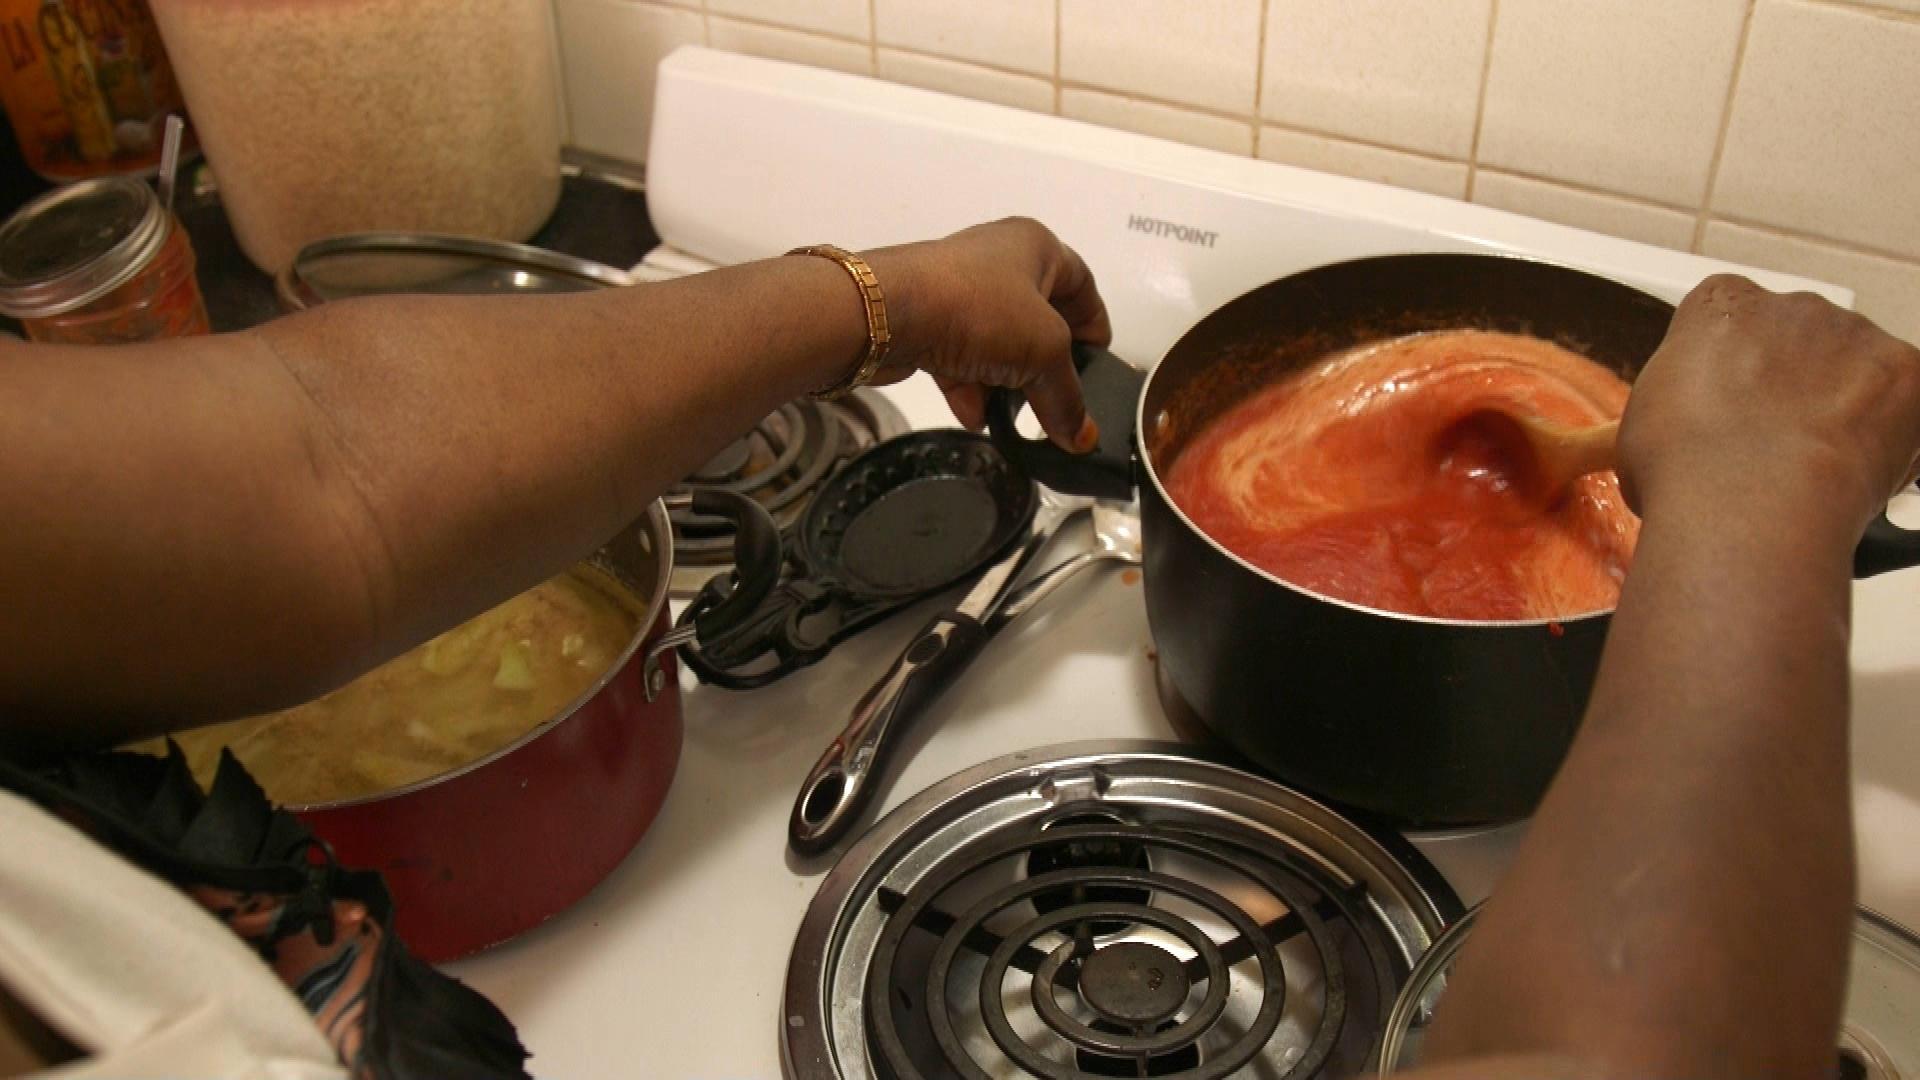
199	528
1682	902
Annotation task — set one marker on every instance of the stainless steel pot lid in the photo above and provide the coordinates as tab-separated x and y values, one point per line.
1880	1029
366	264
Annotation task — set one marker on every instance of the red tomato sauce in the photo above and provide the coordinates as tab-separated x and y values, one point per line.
1375	477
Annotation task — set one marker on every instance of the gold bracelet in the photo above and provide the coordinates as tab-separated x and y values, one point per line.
878	337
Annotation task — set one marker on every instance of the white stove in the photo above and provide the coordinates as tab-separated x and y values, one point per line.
674	967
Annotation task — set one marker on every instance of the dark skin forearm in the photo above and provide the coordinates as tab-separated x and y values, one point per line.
203	527
1682	902
1698	833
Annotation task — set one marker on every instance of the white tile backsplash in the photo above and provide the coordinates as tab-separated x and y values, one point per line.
1886	290
1384	71
608	51
1793	134
1825	132
1193	52
967	80
1014	34
846	18
1585	209
777	43
1365	162
1152	118
1625	95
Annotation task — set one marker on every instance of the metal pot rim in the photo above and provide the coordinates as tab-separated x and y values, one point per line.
656	524
1152	469
296	292
1440	955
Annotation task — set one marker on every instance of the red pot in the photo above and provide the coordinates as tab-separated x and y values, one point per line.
478	855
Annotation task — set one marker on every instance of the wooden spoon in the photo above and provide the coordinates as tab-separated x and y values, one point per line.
1562	454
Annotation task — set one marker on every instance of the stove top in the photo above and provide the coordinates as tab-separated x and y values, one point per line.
781	462
1108	909
694	932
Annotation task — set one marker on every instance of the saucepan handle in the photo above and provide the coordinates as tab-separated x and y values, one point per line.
757	559
1112	389
1885	546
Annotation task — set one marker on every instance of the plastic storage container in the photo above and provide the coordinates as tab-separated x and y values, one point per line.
324	117
99	262
86	84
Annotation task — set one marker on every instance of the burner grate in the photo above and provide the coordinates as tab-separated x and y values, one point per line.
1122	978
1073	912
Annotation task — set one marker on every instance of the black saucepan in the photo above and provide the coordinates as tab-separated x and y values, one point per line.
1423	721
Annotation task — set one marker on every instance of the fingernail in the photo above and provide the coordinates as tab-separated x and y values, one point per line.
1089	436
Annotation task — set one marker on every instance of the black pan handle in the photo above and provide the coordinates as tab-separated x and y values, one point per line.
1112	388
1885	546
756	556
756	559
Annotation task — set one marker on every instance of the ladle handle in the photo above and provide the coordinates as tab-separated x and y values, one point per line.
843	782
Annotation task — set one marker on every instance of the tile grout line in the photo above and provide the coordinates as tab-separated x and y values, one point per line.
1704	213
1575	186
1480	103
1260	72
560	73
1199	110
873	38
1873	11
961	61
1057	27
1316	133
769	24
1789	232
1148	99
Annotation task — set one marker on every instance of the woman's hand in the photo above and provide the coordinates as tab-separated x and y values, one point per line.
995	305
1781	396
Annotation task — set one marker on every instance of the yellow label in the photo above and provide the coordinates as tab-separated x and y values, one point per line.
85	83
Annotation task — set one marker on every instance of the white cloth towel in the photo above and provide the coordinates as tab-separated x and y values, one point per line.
135	973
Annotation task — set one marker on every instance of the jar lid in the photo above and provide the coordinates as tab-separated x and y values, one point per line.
1880	1026
77	243
366	264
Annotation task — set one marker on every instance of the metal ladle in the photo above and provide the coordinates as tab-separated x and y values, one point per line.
1116	537
852	771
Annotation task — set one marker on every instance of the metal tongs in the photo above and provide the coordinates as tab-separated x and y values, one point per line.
847	777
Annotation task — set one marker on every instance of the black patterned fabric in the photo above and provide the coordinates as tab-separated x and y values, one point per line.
324	929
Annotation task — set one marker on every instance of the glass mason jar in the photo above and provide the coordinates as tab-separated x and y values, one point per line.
99	262
324	117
